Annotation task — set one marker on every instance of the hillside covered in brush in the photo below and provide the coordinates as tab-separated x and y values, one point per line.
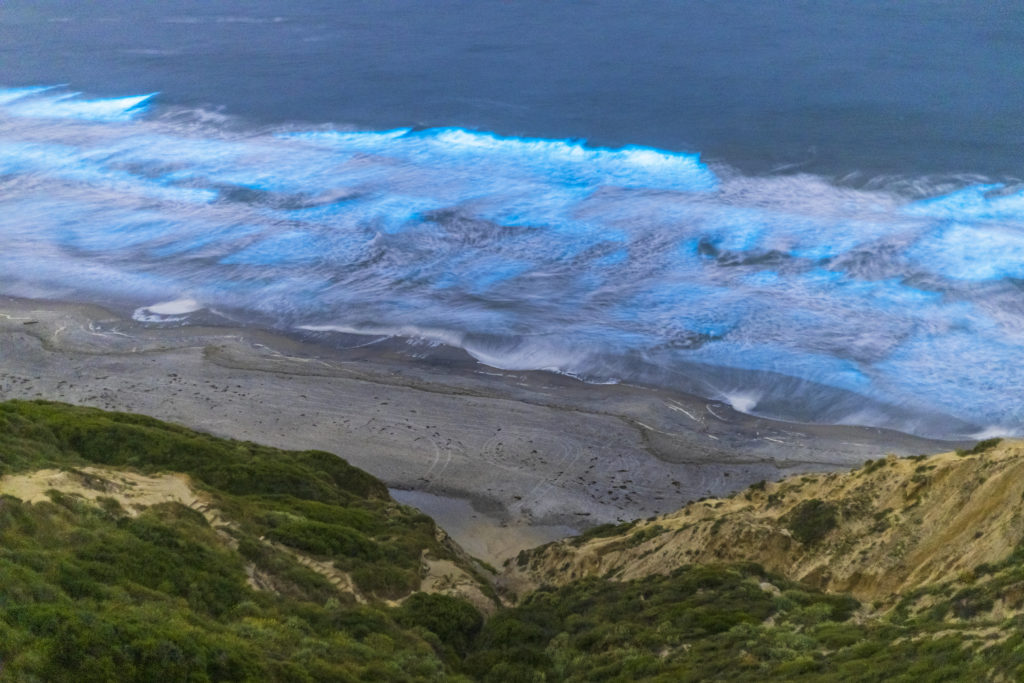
131	549
928	548
886	528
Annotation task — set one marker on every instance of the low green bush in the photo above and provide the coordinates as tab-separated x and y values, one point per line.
811	520
455	622
980	447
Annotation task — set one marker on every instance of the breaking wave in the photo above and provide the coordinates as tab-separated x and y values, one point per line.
786	295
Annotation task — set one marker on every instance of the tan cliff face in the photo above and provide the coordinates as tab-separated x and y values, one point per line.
888	527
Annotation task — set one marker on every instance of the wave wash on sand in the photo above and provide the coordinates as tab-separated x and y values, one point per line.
786	296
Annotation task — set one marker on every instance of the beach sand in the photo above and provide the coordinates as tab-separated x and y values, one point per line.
503	460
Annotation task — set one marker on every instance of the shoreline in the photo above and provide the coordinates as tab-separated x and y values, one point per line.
503	460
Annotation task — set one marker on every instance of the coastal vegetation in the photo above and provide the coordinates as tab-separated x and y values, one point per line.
131	549
738	622
287	575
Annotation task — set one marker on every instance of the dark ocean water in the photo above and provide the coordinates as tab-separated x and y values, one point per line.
811	210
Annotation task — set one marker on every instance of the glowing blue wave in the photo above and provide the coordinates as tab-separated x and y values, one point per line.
46	102
787	295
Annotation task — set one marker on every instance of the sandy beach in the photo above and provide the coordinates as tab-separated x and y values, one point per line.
503	460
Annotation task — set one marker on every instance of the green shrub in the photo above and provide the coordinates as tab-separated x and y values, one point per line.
811	520
385	580
454	621
325	539
872	465
980	447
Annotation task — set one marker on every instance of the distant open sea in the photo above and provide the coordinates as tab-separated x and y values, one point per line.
810	210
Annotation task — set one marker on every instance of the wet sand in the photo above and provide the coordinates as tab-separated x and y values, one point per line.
503	460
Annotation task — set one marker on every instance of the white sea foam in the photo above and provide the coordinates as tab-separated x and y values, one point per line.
530	254
436	336
744	402
167	311
71	106
8	95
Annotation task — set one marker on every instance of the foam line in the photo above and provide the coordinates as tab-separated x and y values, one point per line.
71	106
567	162
8	95
783	294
